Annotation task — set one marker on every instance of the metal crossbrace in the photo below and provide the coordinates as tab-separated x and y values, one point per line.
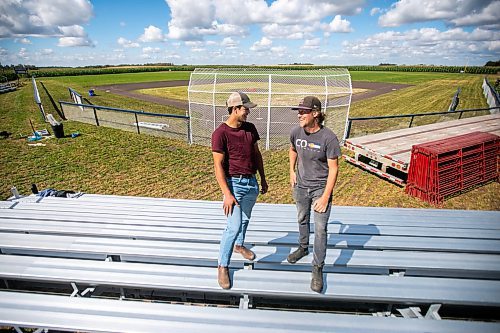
245	302
432	312
76	292
38	330
415	312
411	312
122	294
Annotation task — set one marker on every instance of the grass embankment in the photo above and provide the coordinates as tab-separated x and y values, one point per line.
108	161
58	88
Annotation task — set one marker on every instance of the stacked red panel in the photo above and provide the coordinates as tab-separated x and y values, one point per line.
447	167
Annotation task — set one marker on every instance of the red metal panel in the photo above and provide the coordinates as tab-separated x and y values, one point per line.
443	168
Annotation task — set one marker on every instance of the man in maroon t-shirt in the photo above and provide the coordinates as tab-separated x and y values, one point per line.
236	160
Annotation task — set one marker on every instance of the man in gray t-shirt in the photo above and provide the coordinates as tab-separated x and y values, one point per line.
313	156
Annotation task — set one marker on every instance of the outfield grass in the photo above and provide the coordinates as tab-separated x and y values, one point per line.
58	89
109	161
425	97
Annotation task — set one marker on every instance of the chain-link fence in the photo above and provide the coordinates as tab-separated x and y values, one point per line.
164	125
275	92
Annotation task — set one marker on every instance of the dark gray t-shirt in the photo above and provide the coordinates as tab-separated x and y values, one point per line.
313	151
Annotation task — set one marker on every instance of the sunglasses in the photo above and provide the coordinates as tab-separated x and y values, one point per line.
304	111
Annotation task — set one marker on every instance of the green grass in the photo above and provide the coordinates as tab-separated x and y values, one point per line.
104	79
406	77
110	161
426	97
58	89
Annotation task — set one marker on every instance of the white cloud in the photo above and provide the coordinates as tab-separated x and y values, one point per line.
22	41
186	21
172	55
374	11
194	43
338	25
41	18
298	31
73	31
284	12
151	53
198	49
151	49
23	53
420	45
46	51
75	41
279	49
493	46
457	12
152	34
312	43
74	35
490	14
262	45
231	17
229	43
127	43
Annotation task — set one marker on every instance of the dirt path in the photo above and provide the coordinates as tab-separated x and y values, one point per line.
129	90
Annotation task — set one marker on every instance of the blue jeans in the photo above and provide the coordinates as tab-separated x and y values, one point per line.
304	199
245	190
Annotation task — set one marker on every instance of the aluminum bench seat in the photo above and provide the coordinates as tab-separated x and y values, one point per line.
218	222
104	315
460	215
261	283
265	212
481	266
491	246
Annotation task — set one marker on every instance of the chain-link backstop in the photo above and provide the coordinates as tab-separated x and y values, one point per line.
275	91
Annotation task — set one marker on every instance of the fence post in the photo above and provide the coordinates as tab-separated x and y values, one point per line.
62	110
269	95
189	137
411	121
137	123
214	108
348	131
95	116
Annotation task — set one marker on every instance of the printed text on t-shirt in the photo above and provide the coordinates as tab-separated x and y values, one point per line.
304	144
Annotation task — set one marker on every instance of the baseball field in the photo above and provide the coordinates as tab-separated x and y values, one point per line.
110	161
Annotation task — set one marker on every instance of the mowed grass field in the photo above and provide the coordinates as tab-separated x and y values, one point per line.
109	161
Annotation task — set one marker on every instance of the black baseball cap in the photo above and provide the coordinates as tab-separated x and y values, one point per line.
309	103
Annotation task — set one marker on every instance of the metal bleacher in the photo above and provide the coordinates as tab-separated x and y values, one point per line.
135	264
6	86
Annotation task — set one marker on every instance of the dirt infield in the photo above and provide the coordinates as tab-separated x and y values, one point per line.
129	90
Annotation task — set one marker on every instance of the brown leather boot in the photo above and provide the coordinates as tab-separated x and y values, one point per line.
317	278
223	277
246	253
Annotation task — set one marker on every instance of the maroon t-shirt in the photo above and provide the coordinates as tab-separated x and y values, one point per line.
237	145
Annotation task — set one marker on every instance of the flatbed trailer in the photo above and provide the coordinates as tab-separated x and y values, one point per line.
388	154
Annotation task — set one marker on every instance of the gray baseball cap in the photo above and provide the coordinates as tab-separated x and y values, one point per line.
239	98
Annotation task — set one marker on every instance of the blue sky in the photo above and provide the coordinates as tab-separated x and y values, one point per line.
232	32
